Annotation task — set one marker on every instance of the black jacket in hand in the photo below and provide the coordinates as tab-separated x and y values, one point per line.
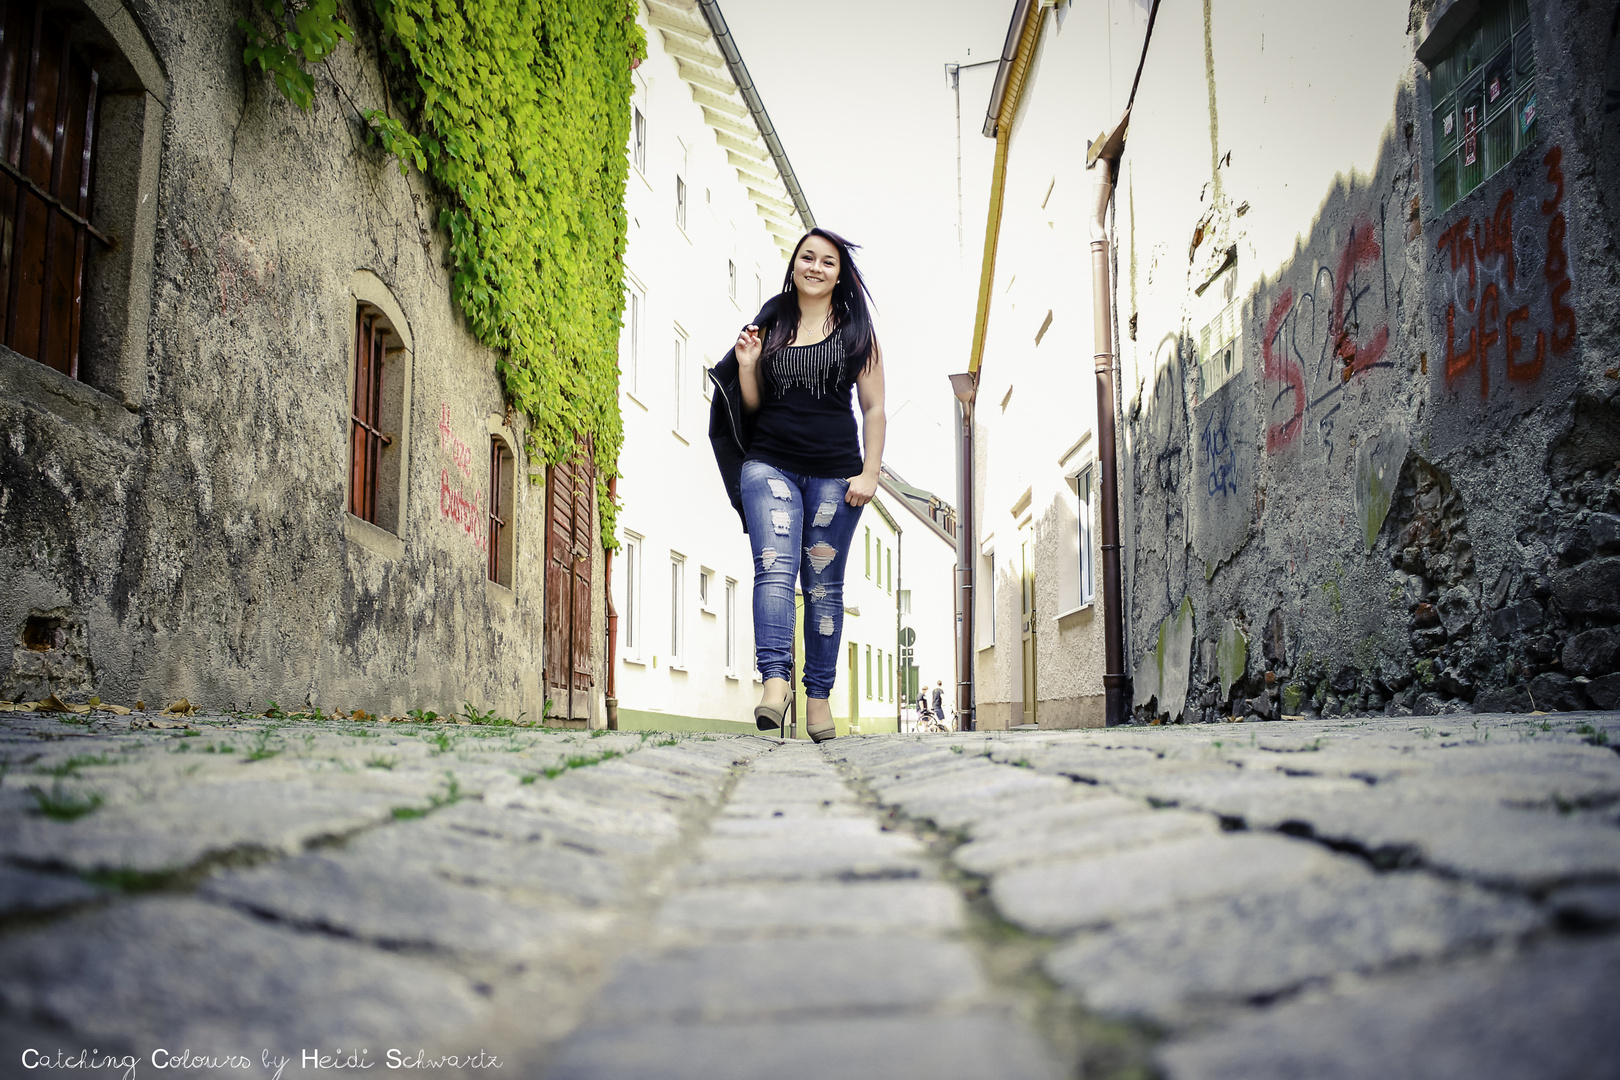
730	429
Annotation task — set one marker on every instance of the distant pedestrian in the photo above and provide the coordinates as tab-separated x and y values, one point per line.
939	700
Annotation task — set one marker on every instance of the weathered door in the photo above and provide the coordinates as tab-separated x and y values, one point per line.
1026	591
570	498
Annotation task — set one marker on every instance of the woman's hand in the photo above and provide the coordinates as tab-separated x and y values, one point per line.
861	489
748	346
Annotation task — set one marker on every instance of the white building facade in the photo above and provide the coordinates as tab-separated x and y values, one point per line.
711	226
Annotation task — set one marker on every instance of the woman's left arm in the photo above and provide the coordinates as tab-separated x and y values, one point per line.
869	389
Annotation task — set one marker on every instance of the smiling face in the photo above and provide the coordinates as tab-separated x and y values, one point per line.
815	267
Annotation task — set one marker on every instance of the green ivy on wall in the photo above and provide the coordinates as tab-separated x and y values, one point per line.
518	110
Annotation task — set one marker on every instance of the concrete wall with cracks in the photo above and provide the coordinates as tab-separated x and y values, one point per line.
1403	496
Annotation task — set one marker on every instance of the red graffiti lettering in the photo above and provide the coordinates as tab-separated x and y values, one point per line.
1489	249
452	444
1460	243
1490	309
1557	268
1555	176
1287	372
1457	362
1362	249
467	514
1498	235
1518	372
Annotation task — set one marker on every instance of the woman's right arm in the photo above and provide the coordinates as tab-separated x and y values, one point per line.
748	350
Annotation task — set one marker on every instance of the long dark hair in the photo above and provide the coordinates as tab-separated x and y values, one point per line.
850	312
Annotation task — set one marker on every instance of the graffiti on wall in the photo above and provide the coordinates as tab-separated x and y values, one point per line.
1493	328
1306	359
453	444
464	511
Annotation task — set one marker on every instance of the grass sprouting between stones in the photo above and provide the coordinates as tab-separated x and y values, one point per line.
59	804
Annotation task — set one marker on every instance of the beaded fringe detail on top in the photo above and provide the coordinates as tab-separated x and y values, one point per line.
818	368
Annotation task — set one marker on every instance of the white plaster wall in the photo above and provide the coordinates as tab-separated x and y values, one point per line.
874	627
670	490
1037	402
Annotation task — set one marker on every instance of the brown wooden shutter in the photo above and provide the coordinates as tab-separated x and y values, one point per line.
47	138
570	500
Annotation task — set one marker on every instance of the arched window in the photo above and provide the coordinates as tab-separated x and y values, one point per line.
376	416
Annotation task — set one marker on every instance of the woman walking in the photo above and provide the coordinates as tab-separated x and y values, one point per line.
793	463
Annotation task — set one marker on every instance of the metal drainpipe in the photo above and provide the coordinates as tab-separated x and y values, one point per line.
612	627
965	696
1114	681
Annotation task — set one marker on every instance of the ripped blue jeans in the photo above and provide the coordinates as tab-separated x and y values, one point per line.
788	548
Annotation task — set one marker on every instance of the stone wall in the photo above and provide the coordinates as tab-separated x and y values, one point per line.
1404	499
183	532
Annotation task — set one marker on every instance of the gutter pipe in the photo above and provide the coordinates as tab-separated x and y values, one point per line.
1102	318
762	119
1023	32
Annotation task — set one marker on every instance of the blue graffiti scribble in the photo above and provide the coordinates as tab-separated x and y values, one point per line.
1215	444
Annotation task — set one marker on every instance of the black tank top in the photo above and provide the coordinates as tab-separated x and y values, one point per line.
806	418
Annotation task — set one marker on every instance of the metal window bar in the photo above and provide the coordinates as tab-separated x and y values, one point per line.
367	437
56	108
499	470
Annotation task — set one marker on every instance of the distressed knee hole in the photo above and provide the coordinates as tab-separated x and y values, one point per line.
781	519
822	554
818	592
824	514
767	558
779	488
826	626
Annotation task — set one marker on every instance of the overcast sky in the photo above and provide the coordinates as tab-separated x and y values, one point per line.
858	94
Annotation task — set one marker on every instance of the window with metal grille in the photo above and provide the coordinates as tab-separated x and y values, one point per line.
375	419
1482	91
502	548
48	98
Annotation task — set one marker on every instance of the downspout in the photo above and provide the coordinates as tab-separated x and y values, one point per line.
900	576
1019	48
612	627
750	95
1102	318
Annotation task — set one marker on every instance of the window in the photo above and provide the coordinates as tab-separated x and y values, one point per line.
731	279
868	535
679	387
1088	589
677	609
375	416
680	202
1482	90
48	125
731	627
880	561
501	492
880	674
708	383
630	610
1220	353
759	292
635	303
705	588
984	598
869	671
638	138
889	581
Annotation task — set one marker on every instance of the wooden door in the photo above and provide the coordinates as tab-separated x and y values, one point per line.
1026	589
570	498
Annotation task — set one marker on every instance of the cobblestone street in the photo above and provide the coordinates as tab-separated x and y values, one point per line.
1368	898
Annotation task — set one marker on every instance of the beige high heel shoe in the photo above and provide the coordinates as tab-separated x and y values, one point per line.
822	734
770	717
